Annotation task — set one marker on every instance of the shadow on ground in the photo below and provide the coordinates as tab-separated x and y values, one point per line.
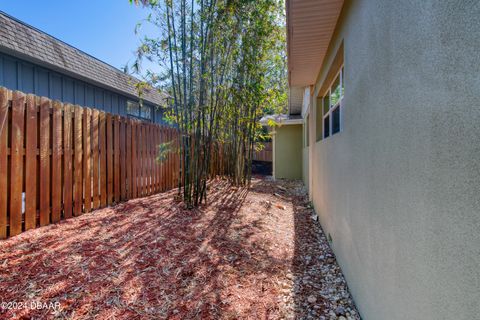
147	258
244	255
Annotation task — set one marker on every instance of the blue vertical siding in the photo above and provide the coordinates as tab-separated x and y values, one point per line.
99	103
27	78
10	73
16	74
42	85
115	104
80	94
122	106
107	103
55	86
68	90
89	96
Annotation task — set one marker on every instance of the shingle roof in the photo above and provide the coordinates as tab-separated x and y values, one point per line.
24	41
281	119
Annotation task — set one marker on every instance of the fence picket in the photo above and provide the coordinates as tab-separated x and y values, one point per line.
110	168
154	161
123	173
78	167
157	164
116	158
56	161
45	105
164	166
67	160
176	161
95	160
128	158
173	158
31	163
150	159
4	124
103	158
141	159
134	159
170	160
87	170
16	181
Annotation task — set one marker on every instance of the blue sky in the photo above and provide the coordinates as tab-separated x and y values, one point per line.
102	28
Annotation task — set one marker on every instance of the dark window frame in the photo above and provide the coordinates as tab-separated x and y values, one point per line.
138	113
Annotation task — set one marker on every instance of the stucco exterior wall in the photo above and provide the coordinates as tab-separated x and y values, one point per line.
398	189
305	166
288	152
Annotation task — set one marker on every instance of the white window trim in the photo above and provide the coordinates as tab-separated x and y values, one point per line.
331	108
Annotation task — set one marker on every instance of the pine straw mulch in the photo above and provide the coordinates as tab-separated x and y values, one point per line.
239	257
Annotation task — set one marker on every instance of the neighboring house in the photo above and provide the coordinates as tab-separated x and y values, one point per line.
35	62
287	152
391	156
288	138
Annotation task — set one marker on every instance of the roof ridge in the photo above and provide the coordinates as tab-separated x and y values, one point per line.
105	74
63	42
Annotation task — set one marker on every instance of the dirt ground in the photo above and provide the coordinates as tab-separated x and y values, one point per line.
256	254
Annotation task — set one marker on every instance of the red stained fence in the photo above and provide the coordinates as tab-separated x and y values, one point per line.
58	160
265	154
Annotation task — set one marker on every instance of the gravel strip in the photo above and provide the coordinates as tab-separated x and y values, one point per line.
319	287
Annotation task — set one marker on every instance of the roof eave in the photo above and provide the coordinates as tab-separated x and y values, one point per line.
310	26
67	72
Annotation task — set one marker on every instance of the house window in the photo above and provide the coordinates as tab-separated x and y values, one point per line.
139	111
145	112
332	104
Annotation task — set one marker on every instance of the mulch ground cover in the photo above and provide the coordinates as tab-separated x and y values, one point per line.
247	254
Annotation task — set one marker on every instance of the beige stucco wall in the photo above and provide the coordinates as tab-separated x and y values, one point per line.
305	166
305	156
398	189
288	152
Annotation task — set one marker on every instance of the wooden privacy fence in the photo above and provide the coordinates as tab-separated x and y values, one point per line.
58	160
265	154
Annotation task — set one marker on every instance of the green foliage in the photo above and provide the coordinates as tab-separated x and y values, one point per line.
163	150
224	65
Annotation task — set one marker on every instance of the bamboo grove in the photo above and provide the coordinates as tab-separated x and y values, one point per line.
223	65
